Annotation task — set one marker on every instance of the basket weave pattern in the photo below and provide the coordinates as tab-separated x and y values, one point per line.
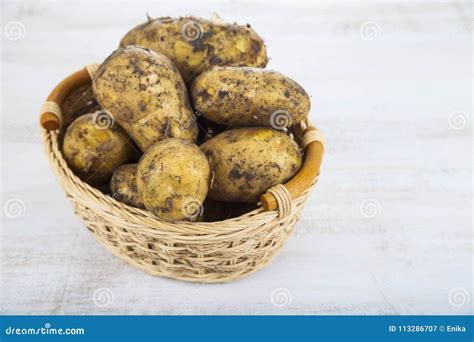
204	252
192	251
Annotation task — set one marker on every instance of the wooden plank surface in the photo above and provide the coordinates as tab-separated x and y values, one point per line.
388	229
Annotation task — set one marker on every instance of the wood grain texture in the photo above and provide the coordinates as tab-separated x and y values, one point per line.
387	229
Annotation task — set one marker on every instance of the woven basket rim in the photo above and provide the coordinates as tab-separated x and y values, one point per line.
205	252
106	202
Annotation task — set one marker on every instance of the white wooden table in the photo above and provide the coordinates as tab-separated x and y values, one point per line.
388	229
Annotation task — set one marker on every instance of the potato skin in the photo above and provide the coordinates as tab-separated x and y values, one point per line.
195	44
145	93
92	150
173	179
246	162
249	97
123	185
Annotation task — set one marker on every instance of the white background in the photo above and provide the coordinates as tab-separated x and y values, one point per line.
388	229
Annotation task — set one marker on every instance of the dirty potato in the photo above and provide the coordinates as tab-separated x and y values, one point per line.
249	97
173	179
145	93
195	44
123	185
93	150
246	162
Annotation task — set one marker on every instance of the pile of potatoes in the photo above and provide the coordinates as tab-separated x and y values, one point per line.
191	126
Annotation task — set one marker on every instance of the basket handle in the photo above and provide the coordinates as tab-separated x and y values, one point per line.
50	113
50	119
314	143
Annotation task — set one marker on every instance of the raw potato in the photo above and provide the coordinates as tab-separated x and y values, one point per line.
145	93
173	179
195	44
93	150
123	185
249	97
246	162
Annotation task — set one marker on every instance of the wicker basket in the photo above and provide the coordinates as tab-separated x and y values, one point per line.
199	252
